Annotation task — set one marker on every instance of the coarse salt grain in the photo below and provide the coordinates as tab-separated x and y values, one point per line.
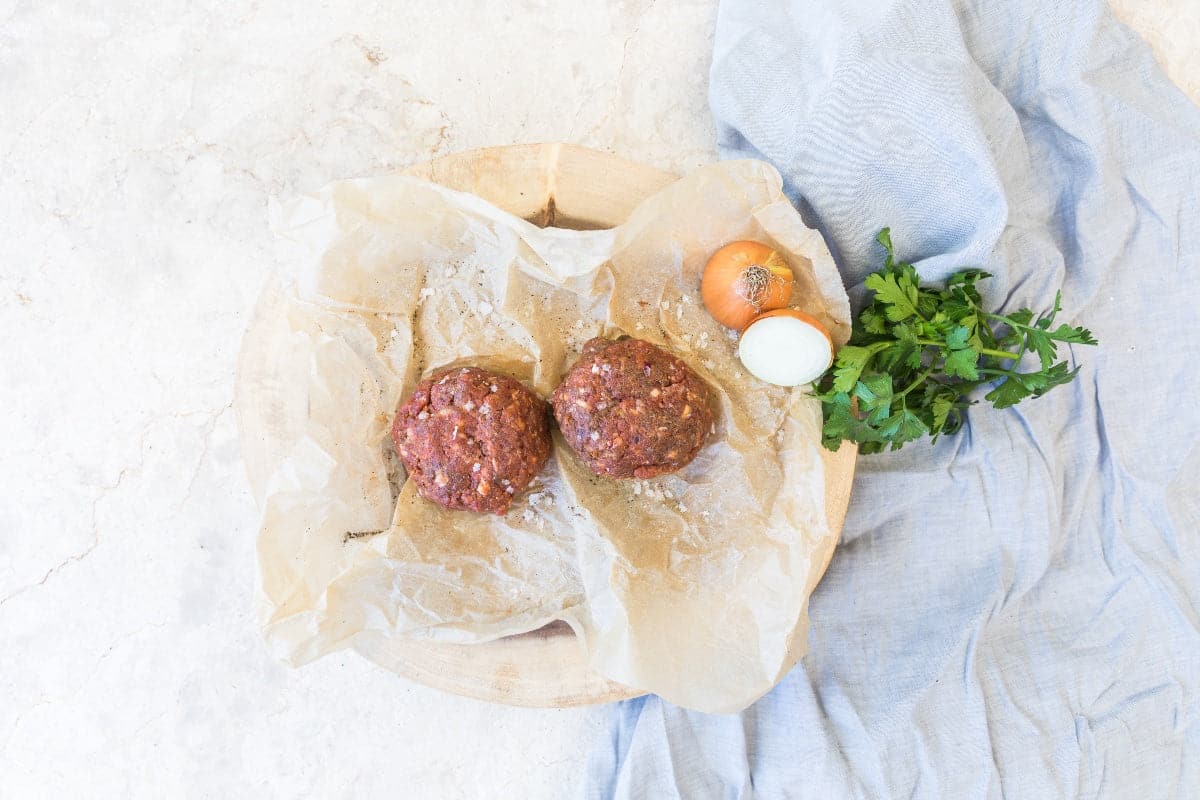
475	467
469	405
731	335
595	369
485	409
423	415
594	436
494	388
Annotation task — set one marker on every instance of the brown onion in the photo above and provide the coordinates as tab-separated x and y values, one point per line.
742	280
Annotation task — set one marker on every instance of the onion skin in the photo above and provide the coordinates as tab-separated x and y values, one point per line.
742	280
800	315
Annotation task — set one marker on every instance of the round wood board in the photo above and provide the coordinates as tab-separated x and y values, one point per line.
569	187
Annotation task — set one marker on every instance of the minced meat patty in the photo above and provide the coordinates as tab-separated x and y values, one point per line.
472	439
631	410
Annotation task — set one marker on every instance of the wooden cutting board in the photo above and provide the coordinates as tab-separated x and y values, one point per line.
565	186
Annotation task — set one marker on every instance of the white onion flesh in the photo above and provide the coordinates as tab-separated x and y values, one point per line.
785	351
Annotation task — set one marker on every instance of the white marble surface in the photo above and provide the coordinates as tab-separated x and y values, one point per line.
139	142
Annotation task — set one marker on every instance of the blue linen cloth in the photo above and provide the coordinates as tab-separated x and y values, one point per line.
1015	611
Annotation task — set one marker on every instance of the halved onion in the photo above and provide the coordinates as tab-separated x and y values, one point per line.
786	347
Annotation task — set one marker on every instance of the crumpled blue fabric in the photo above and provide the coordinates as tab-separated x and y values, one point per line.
1015	611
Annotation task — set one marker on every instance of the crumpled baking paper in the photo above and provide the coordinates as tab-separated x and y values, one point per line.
693	585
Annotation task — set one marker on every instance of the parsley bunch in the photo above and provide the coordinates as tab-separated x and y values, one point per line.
917	352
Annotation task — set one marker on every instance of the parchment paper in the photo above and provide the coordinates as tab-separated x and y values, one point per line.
693	586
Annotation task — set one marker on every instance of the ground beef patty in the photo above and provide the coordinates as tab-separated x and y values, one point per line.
472	439
631	410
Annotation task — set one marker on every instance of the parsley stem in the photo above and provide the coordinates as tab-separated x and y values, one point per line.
983	321
1024	345
1009	322
916	382
984	352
